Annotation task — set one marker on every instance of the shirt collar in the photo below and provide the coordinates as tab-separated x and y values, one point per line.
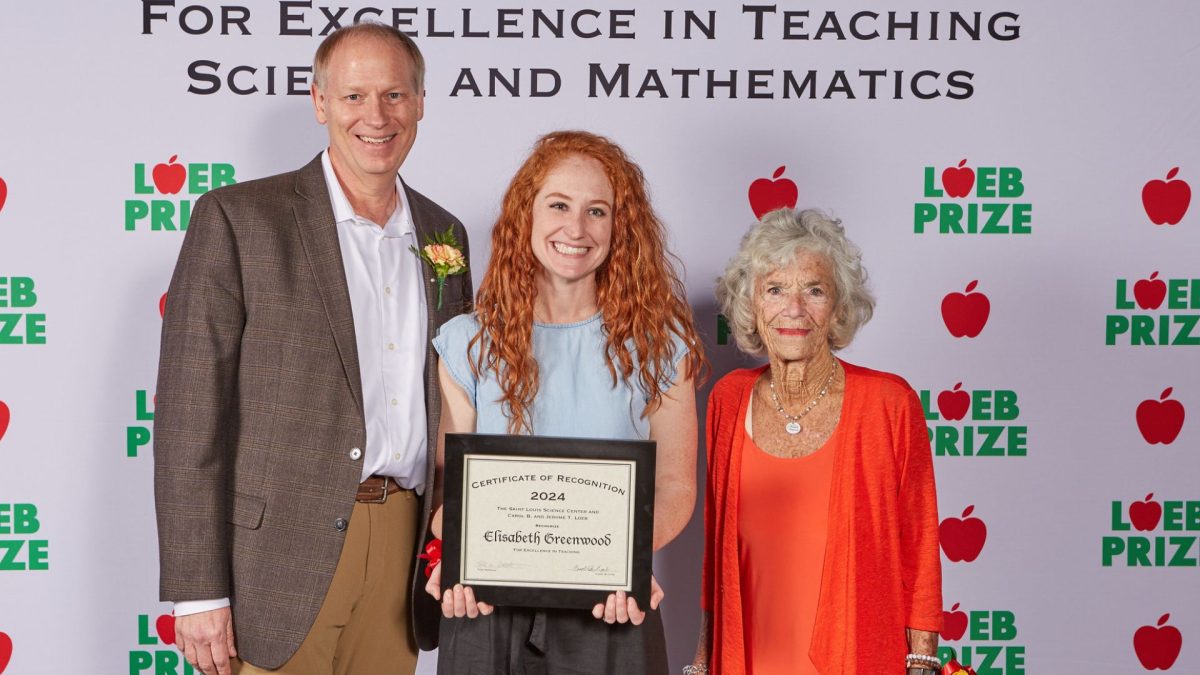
398	225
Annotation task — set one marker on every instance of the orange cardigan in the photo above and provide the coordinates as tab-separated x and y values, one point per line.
882	564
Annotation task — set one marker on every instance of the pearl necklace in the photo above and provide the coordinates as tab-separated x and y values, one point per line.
793	426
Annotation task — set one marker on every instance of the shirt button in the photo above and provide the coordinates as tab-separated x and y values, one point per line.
340	524
356	453
387	289
396	457
391	346
395	402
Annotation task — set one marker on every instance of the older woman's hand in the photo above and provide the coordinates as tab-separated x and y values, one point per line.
622	608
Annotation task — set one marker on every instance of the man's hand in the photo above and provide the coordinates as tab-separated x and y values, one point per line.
622	608
206	640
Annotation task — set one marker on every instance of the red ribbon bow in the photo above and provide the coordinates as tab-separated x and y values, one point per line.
433	554
953	667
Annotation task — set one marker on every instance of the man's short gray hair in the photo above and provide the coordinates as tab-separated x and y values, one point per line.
774	242
372	30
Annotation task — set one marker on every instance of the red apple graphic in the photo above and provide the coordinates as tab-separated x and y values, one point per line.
953	403
3	193
1160	421
954	624
1166	201
6	650
5	416
1145	514
958	181
162	306
1158	647
966	313
169	177
767	195
164	625
1149	293
962	540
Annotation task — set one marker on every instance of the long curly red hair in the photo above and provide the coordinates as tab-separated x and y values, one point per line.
641	298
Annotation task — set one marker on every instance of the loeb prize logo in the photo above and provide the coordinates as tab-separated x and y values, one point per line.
1160	420
965	314
989	205
138	436
1158	646
962	539
168	212
1173	324
22	327
990	635
768	194
1174	547
967	437
18	551
152	658
1166	201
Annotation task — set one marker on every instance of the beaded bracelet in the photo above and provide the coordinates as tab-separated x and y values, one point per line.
923	659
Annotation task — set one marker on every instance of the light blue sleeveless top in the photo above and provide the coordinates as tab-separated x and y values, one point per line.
576	396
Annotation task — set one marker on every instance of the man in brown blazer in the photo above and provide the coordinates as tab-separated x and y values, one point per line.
297	399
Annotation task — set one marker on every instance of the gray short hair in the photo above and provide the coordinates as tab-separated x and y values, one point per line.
374	30
774	242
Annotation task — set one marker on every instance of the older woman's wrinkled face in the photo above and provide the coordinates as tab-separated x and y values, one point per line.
794	307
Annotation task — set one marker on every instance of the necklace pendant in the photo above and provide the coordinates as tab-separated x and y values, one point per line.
793	428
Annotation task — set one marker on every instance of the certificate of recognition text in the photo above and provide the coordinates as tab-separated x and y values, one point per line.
541	522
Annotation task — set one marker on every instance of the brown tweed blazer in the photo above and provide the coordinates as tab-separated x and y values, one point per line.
259	405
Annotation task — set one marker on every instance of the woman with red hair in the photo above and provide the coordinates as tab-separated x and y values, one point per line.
581	328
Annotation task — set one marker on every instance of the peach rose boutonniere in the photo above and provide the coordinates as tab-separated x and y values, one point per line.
444	256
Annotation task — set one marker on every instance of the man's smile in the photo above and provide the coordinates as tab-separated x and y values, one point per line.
375	140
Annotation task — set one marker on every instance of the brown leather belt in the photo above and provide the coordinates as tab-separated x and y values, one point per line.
375	489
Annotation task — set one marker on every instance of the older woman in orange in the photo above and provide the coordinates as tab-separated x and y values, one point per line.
581	328
821	518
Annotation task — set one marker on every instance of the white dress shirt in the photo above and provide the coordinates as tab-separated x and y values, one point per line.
388	304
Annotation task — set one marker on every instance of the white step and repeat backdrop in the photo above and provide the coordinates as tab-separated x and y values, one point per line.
1016	173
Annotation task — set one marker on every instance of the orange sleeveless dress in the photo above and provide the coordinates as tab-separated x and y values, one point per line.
782	517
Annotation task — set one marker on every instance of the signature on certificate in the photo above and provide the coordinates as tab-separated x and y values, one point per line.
598	569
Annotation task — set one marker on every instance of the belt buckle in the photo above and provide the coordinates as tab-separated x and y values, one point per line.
382	497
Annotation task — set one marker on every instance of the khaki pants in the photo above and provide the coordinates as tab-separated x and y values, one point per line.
362	627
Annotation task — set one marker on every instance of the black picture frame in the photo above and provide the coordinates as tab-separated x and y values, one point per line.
641	453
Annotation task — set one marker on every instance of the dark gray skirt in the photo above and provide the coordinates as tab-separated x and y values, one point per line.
521	641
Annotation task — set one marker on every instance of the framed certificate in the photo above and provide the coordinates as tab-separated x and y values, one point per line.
538	521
